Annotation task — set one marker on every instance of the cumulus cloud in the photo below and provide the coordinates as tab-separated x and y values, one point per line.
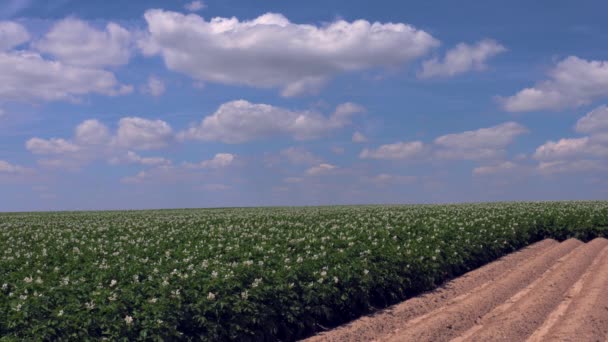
584	154
595	123
93	140
220	160
75	42
230	51
241	121
27	76
570	149
358	137
12	169
142	134
580	166
461	59
12	34
50	146
91	132
195	6
79	52
573	82
396	151
154	87
482	143
189	172
321	169
133	158
564	148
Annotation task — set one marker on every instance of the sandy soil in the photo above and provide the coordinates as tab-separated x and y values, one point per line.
549	291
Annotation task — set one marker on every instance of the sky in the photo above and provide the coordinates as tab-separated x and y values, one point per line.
220	103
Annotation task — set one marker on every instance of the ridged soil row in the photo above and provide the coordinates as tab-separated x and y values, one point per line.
457	316
379	325
528	313
586	318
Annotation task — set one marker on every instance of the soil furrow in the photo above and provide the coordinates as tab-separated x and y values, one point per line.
547	292
377	326
452	320
520	320
586	318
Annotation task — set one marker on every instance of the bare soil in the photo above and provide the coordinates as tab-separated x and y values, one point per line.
548	291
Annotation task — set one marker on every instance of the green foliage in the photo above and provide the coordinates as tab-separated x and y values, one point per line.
249	274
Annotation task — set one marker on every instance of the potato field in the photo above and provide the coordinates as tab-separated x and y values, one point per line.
250	273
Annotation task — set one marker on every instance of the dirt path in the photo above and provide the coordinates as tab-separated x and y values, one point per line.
548	291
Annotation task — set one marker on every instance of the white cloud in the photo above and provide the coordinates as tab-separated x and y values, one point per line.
492	137
92	140
241	121
50	146
154	87
570	149
12	34
584	154
75	42
503	167
478	144
344	111
8	168
189	173
229	51
595	123
572	83
321	169
195	6
461	59
579	166
358	137
91	132
79	52
220	160
483	143
27	76
300	156
133	158
564	148
396	151
142	134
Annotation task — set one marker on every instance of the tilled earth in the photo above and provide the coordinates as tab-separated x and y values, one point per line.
549	291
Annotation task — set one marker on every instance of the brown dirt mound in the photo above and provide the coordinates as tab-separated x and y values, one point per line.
549	291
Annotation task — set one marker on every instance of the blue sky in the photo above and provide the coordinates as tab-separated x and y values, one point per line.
157	104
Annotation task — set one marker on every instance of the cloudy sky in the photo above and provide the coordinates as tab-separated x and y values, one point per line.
158	104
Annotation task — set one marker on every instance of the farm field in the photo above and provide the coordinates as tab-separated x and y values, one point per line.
549	291
255	273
